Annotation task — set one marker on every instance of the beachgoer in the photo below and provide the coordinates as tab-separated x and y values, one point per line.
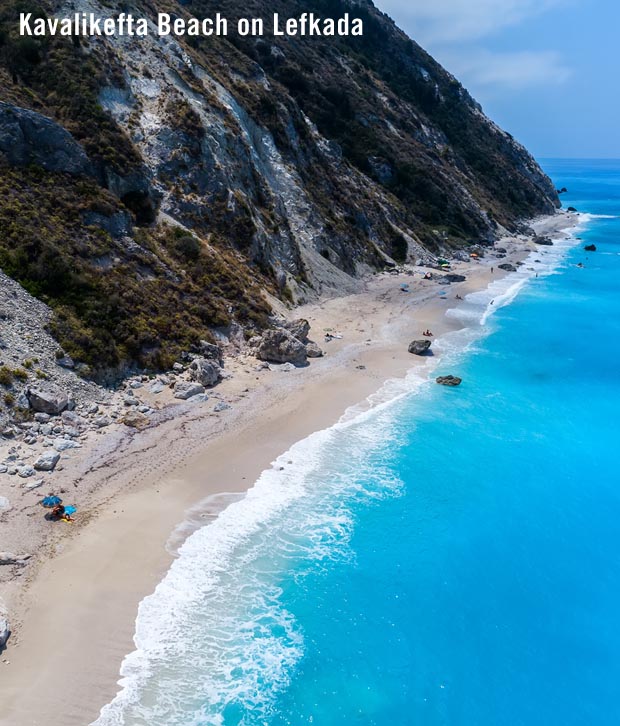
491	270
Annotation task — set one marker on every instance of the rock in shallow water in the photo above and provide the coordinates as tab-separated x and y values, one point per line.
449	380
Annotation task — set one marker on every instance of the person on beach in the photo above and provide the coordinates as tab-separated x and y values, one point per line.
491	270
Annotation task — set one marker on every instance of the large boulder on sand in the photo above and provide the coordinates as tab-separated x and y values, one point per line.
48	399
205	372
449	380
47	461
281	346
419	347
507	266
299	329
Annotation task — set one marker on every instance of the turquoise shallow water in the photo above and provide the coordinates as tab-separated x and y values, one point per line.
449	558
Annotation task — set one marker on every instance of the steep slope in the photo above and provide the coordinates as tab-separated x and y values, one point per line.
207	170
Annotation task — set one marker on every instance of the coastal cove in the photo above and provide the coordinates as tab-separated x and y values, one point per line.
93	581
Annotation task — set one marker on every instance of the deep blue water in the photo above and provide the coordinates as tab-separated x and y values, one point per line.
451	558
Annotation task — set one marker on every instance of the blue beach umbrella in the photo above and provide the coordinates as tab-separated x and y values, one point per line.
51	501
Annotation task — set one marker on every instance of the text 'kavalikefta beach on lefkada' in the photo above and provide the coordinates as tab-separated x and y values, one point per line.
309	322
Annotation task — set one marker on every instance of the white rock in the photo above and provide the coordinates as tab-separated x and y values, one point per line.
185	390
47	461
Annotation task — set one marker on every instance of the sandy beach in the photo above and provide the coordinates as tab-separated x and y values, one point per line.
73	608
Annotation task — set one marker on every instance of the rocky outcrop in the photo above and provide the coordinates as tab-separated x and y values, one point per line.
28	138
48	399
281	346
419	347
545	241
507	266
590	248
205	372
449	380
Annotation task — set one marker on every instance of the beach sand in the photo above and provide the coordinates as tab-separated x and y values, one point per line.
77	602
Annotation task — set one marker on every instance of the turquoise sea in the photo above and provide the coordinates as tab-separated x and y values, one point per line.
450	558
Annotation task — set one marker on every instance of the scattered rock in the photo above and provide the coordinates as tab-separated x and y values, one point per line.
281	346
449	380
313	350
590	248
66	362
571	209
5	632
70	418
34	484
453	277
48	399
546	241
8	558
42	417
5	505
156	387
206	372
210	351
507	266
419	347
285	367
221	406
135	420
47	461
102	421
25	471
186	389
64	444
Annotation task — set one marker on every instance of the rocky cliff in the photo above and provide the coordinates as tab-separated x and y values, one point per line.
155	190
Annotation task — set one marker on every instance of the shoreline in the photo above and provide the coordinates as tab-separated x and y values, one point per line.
80	604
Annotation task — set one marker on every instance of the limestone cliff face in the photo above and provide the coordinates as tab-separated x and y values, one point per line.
297	164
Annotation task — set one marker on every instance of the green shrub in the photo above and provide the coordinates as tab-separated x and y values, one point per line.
6	376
